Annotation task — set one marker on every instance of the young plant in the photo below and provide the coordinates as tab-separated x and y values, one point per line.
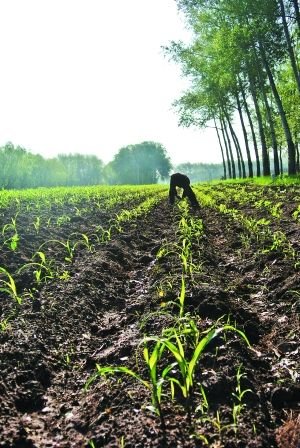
8	286
182	296
42	268
13	239
37	224
238	395
176	344
155	383
12	242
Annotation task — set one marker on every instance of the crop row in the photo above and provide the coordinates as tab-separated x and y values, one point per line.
31	257
172	358
263	227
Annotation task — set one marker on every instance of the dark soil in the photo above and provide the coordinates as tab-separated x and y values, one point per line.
109	298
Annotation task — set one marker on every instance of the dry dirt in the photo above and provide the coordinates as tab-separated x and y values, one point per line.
112	297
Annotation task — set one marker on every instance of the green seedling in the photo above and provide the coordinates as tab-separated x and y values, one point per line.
238	395
4	325
68	246
12	242
176	344
63	220
154	385
203	406
12	226
37	224
42	268
85	242
182	296
105	234
8	286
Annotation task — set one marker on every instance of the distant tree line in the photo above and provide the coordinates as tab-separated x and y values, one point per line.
205	172
144	163
201	172
243	63
21	169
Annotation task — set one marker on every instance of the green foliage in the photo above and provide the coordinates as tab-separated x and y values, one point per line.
241	54
140	164
21	169
7	285
186	344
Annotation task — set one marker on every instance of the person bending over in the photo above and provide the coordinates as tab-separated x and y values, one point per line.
182	181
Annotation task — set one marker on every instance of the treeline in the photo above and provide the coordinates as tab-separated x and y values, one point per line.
144	163
21	169
243	64
201	172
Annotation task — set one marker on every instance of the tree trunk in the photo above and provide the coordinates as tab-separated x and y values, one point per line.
239	152
234	141
222	150
272	130
289	45
297	13
245	104
250	166
240	161
226	148
241	164
280	161
297	157
285	125
264	150
231	165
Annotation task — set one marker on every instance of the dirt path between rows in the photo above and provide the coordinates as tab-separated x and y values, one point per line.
100	315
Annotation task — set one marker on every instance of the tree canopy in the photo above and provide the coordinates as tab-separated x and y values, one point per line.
242	57
22	169
142	163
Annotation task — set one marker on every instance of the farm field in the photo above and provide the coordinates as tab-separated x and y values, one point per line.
125	322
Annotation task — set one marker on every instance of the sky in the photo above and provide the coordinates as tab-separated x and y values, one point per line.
90	77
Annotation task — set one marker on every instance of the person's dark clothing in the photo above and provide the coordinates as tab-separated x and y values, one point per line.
182	181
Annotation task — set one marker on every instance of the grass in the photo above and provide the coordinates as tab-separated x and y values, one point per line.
263	180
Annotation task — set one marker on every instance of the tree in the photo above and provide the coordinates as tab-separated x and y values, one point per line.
82	169
140	164
238	49
22	169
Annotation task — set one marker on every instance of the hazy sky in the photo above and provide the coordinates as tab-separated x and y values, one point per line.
89	76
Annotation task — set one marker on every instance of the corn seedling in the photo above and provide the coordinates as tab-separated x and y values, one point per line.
182	296
104	234
68	246
203	406
220	427
296	213
176	344
63	220
8	286
42	268
13	239
12	242
155	383
238	395
37	224
12	226
4	325
86	242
